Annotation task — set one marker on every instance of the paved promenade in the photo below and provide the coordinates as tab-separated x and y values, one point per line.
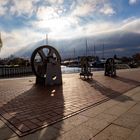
102	108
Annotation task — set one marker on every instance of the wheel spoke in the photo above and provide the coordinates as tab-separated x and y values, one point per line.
42	54
40	57
51	51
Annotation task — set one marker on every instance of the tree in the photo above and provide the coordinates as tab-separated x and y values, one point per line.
136	57
125	59
18	61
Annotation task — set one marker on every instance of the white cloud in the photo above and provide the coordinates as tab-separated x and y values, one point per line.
27	8
15	40
46	13
3	2
50	19
3	8
105	27
82	10
85	7
22	7
107	10
131	2
17	7
90	7
56	26
68	27
125	21
62	28
132	26
55	1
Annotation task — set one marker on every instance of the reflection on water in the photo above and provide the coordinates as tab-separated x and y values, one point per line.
65	69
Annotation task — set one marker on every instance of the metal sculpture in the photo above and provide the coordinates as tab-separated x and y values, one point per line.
85	68
110	68
46	65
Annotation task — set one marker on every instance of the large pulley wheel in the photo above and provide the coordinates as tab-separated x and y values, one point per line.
41	57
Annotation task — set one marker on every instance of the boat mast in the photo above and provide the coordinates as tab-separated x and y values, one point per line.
0	42
86	47
46	39
103	51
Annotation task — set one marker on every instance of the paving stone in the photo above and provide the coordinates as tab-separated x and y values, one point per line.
23	128
136	97
132	92
96	123
21	101
103	136
106	117
113	132
128	120
2	124
135	109
123	98
79	133
47	133
30	125
15	138
6	133
92	112
116	110
110	103
64	126
77	120
127	104
70	123
135	134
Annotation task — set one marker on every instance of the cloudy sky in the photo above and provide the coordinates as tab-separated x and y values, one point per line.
23	22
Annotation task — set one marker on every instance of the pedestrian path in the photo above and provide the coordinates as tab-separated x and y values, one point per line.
82	115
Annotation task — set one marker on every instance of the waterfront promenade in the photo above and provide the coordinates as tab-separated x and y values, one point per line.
102	108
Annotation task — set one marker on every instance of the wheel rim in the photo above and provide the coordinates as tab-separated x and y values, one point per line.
40	58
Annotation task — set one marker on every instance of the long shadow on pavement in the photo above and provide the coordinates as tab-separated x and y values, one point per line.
34	109
39	107
108	92
127	80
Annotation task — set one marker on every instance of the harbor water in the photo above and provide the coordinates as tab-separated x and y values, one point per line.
67	70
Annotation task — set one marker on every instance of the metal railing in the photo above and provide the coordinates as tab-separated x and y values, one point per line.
122	66
6	72
15	71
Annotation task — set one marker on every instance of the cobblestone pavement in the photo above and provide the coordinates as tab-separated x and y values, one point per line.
26	108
